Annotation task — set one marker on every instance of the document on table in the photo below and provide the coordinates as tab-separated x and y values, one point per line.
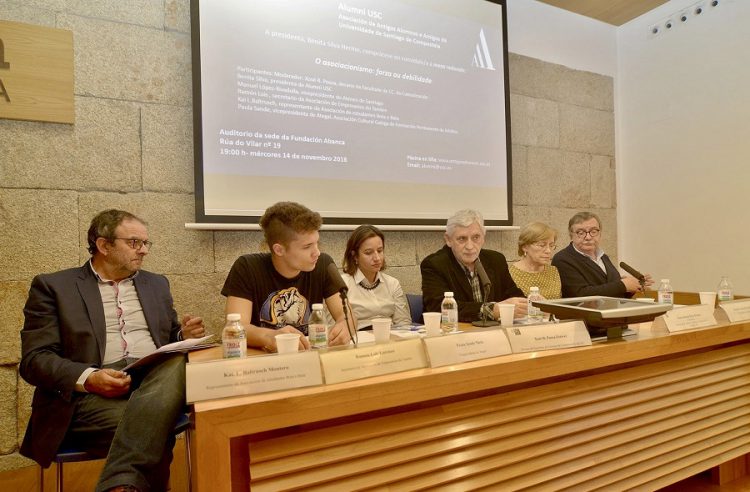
170	348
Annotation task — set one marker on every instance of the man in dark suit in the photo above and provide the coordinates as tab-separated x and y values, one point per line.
453	269
585	270
82	327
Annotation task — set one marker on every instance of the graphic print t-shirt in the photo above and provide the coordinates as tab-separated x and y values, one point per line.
278	301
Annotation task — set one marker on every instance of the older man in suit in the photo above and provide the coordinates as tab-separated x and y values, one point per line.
453	268
82	327
585	270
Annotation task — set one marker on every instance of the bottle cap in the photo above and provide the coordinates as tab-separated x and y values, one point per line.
665	280
233	317
448	294
317	306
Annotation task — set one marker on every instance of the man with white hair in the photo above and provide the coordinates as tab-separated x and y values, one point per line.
453	268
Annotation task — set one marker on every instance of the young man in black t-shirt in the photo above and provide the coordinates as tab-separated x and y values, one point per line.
274	292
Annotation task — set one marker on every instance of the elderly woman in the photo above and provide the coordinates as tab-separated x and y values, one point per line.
372	293
536	244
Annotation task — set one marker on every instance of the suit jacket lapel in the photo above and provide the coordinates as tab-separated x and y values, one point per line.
588	263
146	296
88	287
489	267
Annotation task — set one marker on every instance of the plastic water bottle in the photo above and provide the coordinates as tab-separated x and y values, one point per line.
233	338
317	328
534	313
666	293
449	314
725	292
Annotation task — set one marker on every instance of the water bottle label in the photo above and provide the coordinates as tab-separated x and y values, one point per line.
234	348
449	320
725	295
666	297
317	335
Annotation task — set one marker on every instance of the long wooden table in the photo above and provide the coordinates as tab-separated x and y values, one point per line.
637	414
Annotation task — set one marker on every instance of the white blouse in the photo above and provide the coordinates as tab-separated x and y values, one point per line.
387	300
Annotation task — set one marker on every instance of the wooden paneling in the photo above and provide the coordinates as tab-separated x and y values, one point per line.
615	12
636	429
574	415
36	73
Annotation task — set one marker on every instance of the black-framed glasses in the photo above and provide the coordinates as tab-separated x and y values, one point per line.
591	232
136	243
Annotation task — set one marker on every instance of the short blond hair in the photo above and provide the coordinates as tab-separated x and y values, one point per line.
533	233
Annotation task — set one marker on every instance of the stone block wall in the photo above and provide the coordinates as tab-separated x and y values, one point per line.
131	148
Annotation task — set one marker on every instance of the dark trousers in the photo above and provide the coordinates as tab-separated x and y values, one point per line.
135	432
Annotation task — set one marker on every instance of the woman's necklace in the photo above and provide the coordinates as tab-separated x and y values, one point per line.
366	285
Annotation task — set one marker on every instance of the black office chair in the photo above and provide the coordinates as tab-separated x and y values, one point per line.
415	307
70	454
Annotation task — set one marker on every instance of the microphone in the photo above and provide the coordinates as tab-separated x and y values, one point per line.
632	271
335	277
483	278
338	283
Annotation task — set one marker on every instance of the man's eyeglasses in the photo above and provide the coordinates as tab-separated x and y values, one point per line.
543	246
136	243
591	232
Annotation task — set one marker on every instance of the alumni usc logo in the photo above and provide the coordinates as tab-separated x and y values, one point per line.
481	57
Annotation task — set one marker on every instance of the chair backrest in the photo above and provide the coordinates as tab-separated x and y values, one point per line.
415	307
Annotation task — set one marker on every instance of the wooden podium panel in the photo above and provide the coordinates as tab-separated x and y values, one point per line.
644	427
637	414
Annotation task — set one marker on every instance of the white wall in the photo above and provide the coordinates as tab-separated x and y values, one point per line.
683	145
557	36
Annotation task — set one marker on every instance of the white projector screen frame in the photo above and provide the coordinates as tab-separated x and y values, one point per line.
379	111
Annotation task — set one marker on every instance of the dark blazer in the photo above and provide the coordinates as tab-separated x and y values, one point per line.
441	272
581	276
63	334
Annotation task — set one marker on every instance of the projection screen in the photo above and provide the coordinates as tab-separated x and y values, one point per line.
377	111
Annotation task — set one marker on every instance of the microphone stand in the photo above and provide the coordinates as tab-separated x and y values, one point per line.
484	322
345	305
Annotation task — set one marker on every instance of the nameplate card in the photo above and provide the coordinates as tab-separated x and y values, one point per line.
372	360
252	375
464	347
685	318
548	336
738	310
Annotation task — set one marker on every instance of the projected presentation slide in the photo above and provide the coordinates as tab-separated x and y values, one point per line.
328	102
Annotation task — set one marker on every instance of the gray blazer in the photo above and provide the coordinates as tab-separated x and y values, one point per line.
63	334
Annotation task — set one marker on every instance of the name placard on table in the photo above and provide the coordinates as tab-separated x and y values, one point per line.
464	347
372	360
252	375
738	310
548	336
685	318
